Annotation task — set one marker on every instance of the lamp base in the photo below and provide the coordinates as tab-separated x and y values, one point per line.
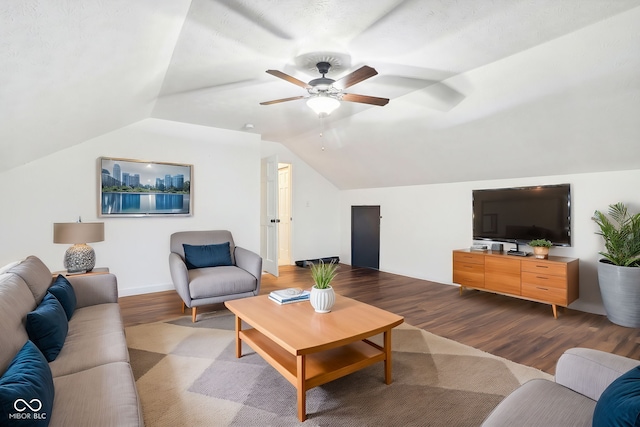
79	258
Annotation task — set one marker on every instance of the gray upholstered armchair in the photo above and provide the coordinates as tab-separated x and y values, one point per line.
209	273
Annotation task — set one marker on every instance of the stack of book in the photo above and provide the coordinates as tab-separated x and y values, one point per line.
287	296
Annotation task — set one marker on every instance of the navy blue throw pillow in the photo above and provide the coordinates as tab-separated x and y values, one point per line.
619	404
63	291
47	327
207	255
26	390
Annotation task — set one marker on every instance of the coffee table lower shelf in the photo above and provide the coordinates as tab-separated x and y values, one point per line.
306	371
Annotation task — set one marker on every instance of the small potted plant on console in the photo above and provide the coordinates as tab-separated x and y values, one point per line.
540	248
322	295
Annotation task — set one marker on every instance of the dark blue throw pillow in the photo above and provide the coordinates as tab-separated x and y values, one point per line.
26	390
207	255
47	327
619	404
63	291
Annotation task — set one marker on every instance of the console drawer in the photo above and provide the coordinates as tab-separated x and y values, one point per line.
467	274
468	258
544	293
544	268
544	280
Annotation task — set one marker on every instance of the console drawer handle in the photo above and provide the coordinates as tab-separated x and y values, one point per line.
543	278
542	289
542	266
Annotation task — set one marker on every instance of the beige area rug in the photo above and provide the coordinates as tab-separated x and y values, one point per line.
187	375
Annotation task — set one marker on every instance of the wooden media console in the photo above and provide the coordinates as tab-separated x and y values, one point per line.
550	281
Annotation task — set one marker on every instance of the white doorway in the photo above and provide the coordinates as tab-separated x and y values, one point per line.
284	214
269	215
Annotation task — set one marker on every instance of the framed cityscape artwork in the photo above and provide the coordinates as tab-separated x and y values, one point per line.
141	188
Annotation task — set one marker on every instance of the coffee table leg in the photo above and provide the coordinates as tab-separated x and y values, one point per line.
238	342
302	391
387	360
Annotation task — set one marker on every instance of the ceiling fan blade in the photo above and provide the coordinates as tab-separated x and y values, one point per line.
355	77
287	77
277	101
364	99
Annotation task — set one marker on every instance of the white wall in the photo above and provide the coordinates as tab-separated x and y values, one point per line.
63	186
421	225
315	207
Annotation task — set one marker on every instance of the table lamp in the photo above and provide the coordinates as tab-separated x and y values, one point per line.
80	257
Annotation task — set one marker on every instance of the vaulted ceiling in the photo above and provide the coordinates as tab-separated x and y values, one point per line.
478	89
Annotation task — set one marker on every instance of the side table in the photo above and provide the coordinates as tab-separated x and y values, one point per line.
97	270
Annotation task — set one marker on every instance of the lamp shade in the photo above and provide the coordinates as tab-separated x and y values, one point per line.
323	105
78	232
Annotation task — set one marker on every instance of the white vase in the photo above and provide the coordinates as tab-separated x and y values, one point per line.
322	299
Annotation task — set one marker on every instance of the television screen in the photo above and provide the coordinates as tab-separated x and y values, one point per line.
519	215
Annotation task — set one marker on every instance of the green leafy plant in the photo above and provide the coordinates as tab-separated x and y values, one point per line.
323	274
541	243
621	235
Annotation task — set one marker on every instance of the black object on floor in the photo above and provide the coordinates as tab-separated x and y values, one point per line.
326	260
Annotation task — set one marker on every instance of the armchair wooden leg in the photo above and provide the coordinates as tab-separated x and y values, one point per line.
193	314
183	306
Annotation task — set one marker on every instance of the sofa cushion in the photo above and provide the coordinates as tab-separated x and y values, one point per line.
105	395
202	256
542	403
8	267
26	389
619	404
96	337
219	281
47	327
16	300
63	291
37	276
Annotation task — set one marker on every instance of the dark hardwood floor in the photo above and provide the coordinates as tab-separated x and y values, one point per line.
521	331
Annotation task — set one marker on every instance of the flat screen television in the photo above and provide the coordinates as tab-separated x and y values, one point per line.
519	215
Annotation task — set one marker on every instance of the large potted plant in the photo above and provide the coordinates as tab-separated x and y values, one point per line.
322	295
619	270
540	248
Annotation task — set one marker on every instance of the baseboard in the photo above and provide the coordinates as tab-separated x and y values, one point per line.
127	292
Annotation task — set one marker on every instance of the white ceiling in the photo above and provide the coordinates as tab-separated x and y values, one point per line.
479	89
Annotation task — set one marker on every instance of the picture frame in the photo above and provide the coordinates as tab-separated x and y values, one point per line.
140	188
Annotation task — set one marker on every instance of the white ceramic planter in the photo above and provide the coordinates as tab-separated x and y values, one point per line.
322	300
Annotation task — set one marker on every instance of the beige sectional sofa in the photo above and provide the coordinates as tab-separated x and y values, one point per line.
583	378
92	378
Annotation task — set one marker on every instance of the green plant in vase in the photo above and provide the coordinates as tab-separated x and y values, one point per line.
322	295
540	248
619	270
323	274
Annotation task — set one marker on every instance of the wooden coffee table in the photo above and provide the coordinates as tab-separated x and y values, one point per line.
310	349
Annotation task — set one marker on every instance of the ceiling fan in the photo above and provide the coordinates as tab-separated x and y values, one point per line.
325	93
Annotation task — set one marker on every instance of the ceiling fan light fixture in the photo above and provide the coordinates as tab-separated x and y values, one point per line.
323	105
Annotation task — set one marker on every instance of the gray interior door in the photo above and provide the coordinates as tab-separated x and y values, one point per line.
365	236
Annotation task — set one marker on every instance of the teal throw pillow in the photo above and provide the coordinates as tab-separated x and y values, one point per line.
26	390
47	327
201	256
619	404
66	295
